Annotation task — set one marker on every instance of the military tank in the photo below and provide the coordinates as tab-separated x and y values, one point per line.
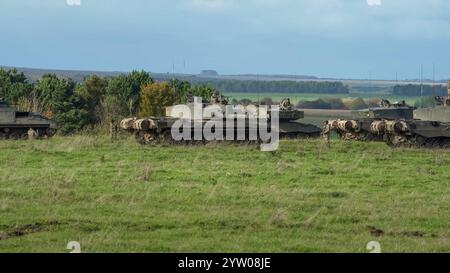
429	128
158	129
370	124
290	125
20	125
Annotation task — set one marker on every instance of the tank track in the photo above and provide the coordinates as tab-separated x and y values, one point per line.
416	141
359	136
152	138
395	133
353	130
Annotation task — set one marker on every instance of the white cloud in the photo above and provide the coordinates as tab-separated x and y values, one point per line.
73	2
374	2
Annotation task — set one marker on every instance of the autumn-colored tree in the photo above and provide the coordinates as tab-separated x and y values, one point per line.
155	97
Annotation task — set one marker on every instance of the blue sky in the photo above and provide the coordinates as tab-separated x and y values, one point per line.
328	38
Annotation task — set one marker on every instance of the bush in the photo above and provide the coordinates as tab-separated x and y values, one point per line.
245	101
71	111
316	104
358	104
327	103
93	90
108	111
155	97
32	104
126	88
335	103
373	102
205	91
267	101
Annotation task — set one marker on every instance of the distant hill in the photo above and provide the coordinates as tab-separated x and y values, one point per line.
35	74
209	72
215	79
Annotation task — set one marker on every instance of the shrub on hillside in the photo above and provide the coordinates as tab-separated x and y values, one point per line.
373	102
245	101
267	101
358	104
326	103
335	103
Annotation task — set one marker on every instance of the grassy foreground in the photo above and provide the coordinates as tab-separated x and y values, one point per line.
122	197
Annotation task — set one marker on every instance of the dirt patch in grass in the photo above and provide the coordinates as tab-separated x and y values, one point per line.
375	231
410	234
413	233
379	232
23	230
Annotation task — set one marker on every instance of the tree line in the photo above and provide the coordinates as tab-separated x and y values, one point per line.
97	101
416	90
253	86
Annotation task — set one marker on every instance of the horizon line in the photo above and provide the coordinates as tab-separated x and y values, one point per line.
222	76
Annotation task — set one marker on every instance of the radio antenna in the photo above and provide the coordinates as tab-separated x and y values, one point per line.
421	85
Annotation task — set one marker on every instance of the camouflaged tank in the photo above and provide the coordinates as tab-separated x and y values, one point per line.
429	128
370	124
158	129
290	125
21	125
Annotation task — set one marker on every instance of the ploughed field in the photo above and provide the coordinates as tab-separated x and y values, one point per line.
123	197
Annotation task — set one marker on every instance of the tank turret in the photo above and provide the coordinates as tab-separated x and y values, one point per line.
386	110
440	113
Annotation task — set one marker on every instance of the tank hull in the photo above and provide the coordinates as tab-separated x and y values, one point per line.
21	125
296	129
369	124
359	130
420	133
159	130
236	123
400	126
440	113
399	133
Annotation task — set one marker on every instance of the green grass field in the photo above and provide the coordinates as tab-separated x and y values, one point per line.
122	197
